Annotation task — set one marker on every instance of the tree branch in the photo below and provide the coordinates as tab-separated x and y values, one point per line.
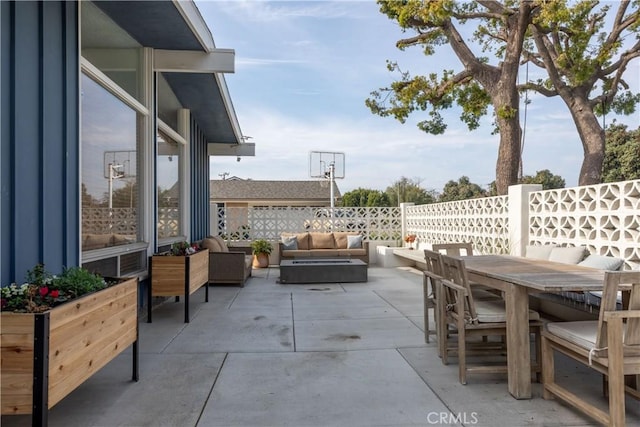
414	40
533	58
627	56
542	90
462	77
549	56
465	55
495	7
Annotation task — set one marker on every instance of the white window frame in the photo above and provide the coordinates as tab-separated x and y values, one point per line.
106	83
175	137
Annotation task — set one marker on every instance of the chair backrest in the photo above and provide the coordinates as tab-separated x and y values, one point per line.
434	264
612	282
454	249
454	269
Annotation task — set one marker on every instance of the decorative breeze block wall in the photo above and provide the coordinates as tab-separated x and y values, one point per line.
604	218
482	221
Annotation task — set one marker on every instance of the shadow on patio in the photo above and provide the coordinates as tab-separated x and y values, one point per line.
304	355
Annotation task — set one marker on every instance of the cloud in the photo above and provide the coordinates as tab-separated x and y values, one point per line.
260	11
265	62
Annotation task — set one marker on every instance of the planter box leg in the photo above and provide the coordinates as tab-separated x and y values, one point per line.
135	375
40	411
149	302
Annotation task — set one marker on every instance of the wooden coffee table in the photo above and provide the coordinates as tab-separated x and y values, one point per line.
323	270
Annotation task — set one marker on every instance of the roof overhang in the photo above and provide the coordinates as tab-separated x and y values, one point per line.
185	53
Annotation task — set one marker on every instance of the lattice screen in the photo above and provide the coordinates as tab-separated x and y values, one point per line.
605	218
100	221
270	222
482	221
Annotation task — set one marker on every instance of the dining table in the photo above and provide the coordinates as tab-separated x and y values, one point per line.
517	278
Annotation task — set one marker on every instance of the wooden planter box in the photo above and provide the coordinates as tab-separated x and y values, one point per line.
45	356
176	276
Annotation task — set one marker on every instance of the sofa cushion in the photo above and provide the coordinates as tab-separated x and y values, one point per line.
211	244
341	239
289	243
352	252
538	252
602	262
321	241
221	243
354	242
302	238
569	255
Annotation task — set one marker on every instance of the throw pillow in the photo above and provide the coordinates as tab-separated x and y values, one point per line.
211	244
354	242
539	252
602	262
222	243
571	255
322	241
289	243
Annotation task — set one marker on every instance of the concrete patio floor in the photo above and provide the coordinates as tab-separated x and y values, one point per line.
305	355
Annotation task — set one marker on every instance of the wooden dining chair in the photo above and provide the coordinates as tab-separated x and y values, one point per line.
431	277
454	249
474	318
465	249
609	345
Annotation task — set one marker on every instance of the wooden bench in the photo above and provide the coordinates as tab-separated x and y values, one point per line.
415	256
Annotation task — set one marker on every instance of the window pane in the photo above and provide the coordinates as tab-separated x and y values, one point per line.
110	140
168	187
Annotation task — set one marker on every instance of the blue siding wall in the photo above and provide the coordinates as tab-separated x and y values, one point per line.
199	184
40	142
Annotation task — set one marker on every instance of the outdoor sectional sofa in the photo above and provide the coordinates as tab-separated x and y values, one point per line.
325	245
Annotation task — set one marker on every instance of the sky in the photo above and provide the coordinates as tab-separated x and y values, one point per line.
303	71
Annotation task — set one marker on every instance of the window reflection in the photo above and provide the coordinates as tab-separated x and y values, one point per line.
110	140
168	173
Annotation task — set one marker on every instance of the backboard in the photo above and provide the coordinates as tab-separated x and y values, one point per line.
321	162
124	163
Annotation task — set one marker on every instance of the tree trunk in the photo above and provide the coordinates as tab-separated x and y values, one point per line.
591	135
506	102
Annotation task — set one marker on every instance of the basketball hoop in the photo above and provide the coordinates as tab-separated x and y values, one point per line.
328	166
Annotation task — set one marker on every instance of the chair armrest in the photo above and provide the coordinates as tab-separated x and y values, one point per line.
453	286
228	260
431	275
621	314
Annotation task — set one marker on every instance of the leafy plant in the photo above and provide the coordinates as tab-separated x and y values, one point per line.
44	290
184	248
76	281
261	246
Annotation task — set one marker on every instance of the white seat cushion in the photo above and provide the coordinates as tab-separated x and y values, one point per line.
602	262
538	252
582	333
493	311
570	255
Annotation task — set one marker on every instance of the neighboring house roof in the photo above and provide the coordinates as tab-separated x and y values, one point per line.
239	190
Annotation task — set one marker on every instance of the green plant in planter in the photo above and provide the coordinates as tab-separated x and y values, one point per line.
44	290
184	248
261	246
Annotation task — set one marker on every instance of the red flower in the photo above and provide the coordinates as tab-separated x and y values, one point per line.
44	291
55	294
